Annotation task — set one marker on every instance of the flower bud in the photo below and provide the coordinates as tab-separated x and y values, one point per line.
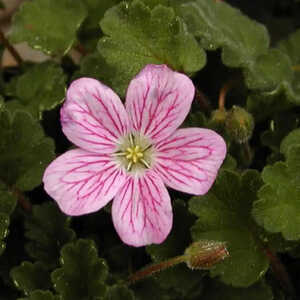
239	124
217	119
204	254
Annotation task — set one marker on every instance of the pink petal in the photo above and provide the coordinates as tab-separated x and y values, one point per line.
189	160
93	116
82	182
142	212
158	100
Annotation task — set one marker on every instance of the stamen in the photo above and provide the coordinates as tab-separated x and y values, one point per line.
119	154
145	163
147	148
131	140
129	166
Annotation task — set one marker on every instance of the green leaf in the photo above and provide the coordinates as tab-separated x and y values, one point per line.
2	6
48	26
292	139
93	65
90	31
278	205
41	88
119	292
48	229
224	214
137	36
286	74
291	47
82	274
29	277
8	200
150	289
24	150
214	23
216	291
4	223
41	295
269	71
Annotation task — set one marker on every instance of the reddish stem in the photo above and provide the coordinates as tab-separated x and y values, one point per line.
204	102
280	272
148	271
223	92
23	201
10	48
81	49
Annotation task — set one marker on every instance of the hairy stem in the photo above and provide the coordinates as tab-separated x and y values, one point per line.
80	48
223	92
23	201
202	100
10	48
280	272
148	271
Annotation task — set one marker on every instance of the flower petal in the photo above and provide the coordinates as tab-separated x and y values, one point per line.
189	160
82	182
158	100
141	211
93	116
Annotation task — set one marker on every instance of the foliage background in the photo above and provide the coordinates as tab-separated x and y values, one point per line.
248	51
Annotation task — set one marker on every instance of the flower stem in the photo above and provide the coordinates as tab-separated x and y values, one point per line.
223	92
10	48
80	48
202	99
23	201
280	272
148	271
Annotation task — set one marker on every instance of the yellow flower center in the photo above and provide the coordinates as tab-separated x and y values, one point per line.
135	153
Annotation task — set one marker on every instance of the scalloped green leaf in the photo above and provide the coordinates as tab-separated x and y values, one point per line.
287	92
4	223
269	71
48	229
224	214
41	88
8	202
29	277
214	24
291	47
48	26
259	291
93	65
277	209
24	150
90	31
41	295
82	274
292	139
119	292
137	36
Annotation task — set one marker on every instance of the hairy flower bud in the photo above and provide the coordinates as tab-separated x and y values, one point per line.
239	124
204	254
217	119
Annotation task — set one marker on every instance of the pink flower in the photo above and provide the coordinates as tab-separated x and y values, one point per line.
130	153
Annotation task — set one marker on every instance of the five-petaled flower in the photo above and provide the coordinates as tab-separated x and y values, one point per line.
130	153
